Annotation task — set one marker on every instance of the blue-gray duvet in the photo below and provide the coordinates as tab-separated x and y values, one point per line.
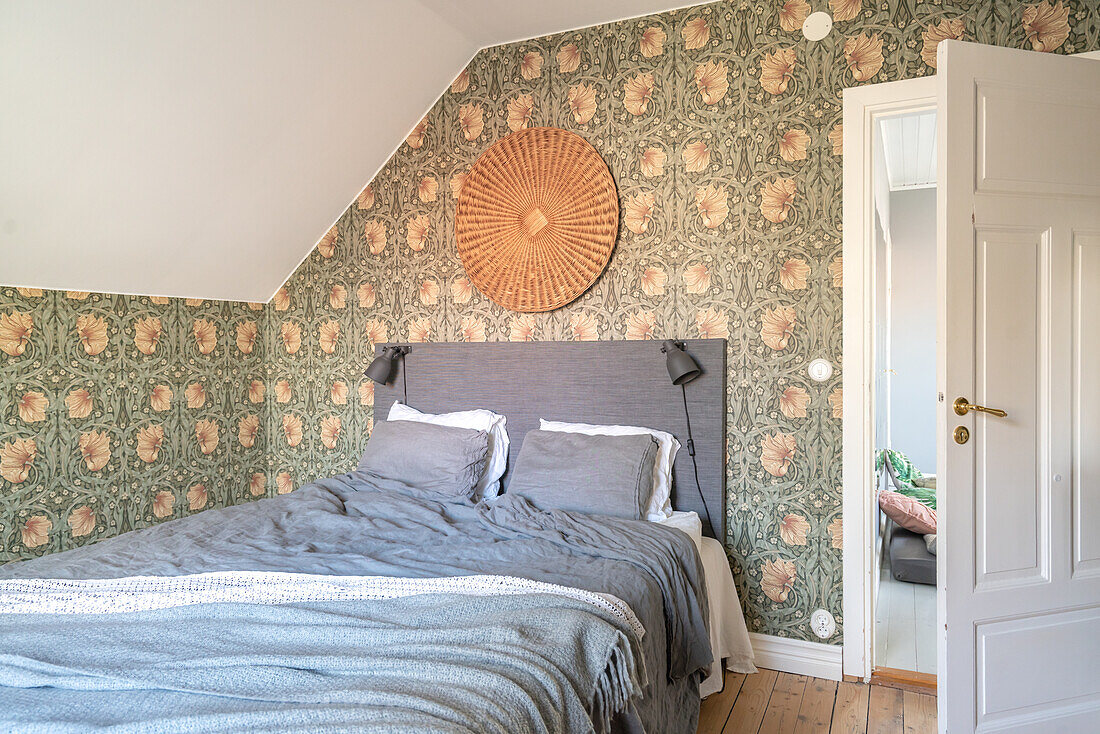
443	662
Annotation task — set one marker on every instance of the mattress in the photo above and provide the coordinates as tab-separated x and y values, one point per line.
909	557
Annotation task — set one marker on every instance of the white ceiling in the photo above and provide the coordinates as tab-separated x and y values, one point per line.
492	22
200	148
909	143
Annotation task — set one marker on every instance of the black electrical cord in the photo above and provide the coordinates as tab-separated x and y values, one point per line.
404	381
695	466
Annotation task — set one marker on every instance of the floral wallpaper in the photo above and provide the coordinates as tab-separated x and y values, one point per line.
120	411
721	126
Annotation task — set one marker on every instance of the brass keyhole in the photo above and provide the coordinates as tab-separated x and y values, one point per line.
962	435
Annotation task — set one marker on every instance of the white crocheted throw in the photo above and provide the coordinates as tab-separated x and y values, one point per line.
139	593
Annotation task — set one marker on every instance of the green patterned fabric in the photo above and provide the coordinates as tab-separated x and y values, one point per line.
904	476
904	470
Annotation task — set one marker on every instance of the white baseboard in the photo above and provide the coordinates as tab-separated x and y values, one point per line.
798	656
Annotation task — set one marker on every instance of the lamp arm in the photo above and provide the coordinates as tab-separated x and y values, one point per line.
400	350
404	375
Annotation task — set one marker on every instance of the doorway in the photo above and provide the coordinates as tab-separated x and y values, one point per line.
890	444
904	541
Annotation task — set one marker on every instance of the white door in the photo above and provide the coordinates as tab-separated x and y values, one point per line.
1019	325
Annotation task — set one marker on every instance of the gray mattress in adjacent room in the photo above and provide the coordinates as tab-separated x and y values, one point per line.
909	557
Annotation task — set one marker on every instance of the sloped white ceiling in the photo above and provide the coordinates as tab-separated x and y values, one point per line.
200	148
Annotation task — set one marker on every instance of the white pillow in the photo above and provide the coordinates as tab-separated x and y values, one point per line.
482	420
660	504
689	523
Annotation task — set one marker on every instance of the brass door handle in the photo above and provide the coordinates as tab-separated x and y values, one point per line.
962	408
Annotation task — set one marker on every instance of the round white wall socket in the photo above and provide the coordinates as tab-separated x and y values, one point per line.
823	624
817	25
820	370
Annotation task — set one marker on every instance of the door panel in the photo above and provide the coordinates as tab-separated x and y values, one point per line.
1012	644
1009	161
1013	491
1006	654
1086	396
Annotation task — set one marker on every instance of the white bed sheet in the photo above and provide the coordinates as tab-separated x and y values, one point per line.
729	636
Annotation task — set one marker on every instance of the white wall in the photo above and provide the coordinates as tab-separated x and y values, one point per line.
882	363
882	337
913	325
882	292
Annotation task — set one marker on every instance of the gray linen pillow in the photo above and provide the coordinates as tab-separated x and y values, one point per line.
438	461
600	475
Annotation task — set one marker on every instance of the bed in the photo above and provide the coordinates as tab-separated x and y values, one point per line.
346	606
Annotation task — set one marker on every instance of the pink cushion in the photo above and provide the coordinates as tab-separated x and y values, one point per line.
907	512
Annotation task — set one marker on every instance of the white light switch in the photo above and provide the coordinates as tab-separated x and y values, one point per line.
820	370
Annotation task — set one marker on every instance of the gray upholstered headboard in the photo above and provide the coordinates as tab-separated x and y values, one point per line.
610	382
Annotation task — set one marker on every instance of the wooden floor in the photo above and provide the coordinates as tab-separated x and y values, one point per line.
905	625
777	703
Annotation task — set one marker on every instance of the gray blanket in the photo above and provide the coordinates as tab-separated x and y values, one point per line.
348	525
431	662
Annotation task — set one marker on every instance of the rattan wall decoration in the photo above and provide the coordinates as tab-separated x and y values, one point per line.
536	219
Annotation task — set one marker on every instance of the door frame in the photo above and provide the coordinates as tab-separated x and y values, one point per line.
862	105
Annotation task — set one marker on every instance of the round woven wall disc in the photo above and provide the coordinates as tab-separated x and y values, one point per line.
536	219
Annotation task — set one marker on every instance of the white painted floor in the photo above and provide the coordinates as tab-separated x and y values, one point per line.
905	625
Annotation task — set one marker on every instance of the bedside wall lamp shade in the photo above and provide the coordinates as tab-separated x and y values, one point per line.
682	367
381	368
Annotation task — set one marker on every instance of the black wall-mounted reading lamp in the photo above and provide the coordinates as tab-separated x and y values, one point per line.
381	369
682	369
